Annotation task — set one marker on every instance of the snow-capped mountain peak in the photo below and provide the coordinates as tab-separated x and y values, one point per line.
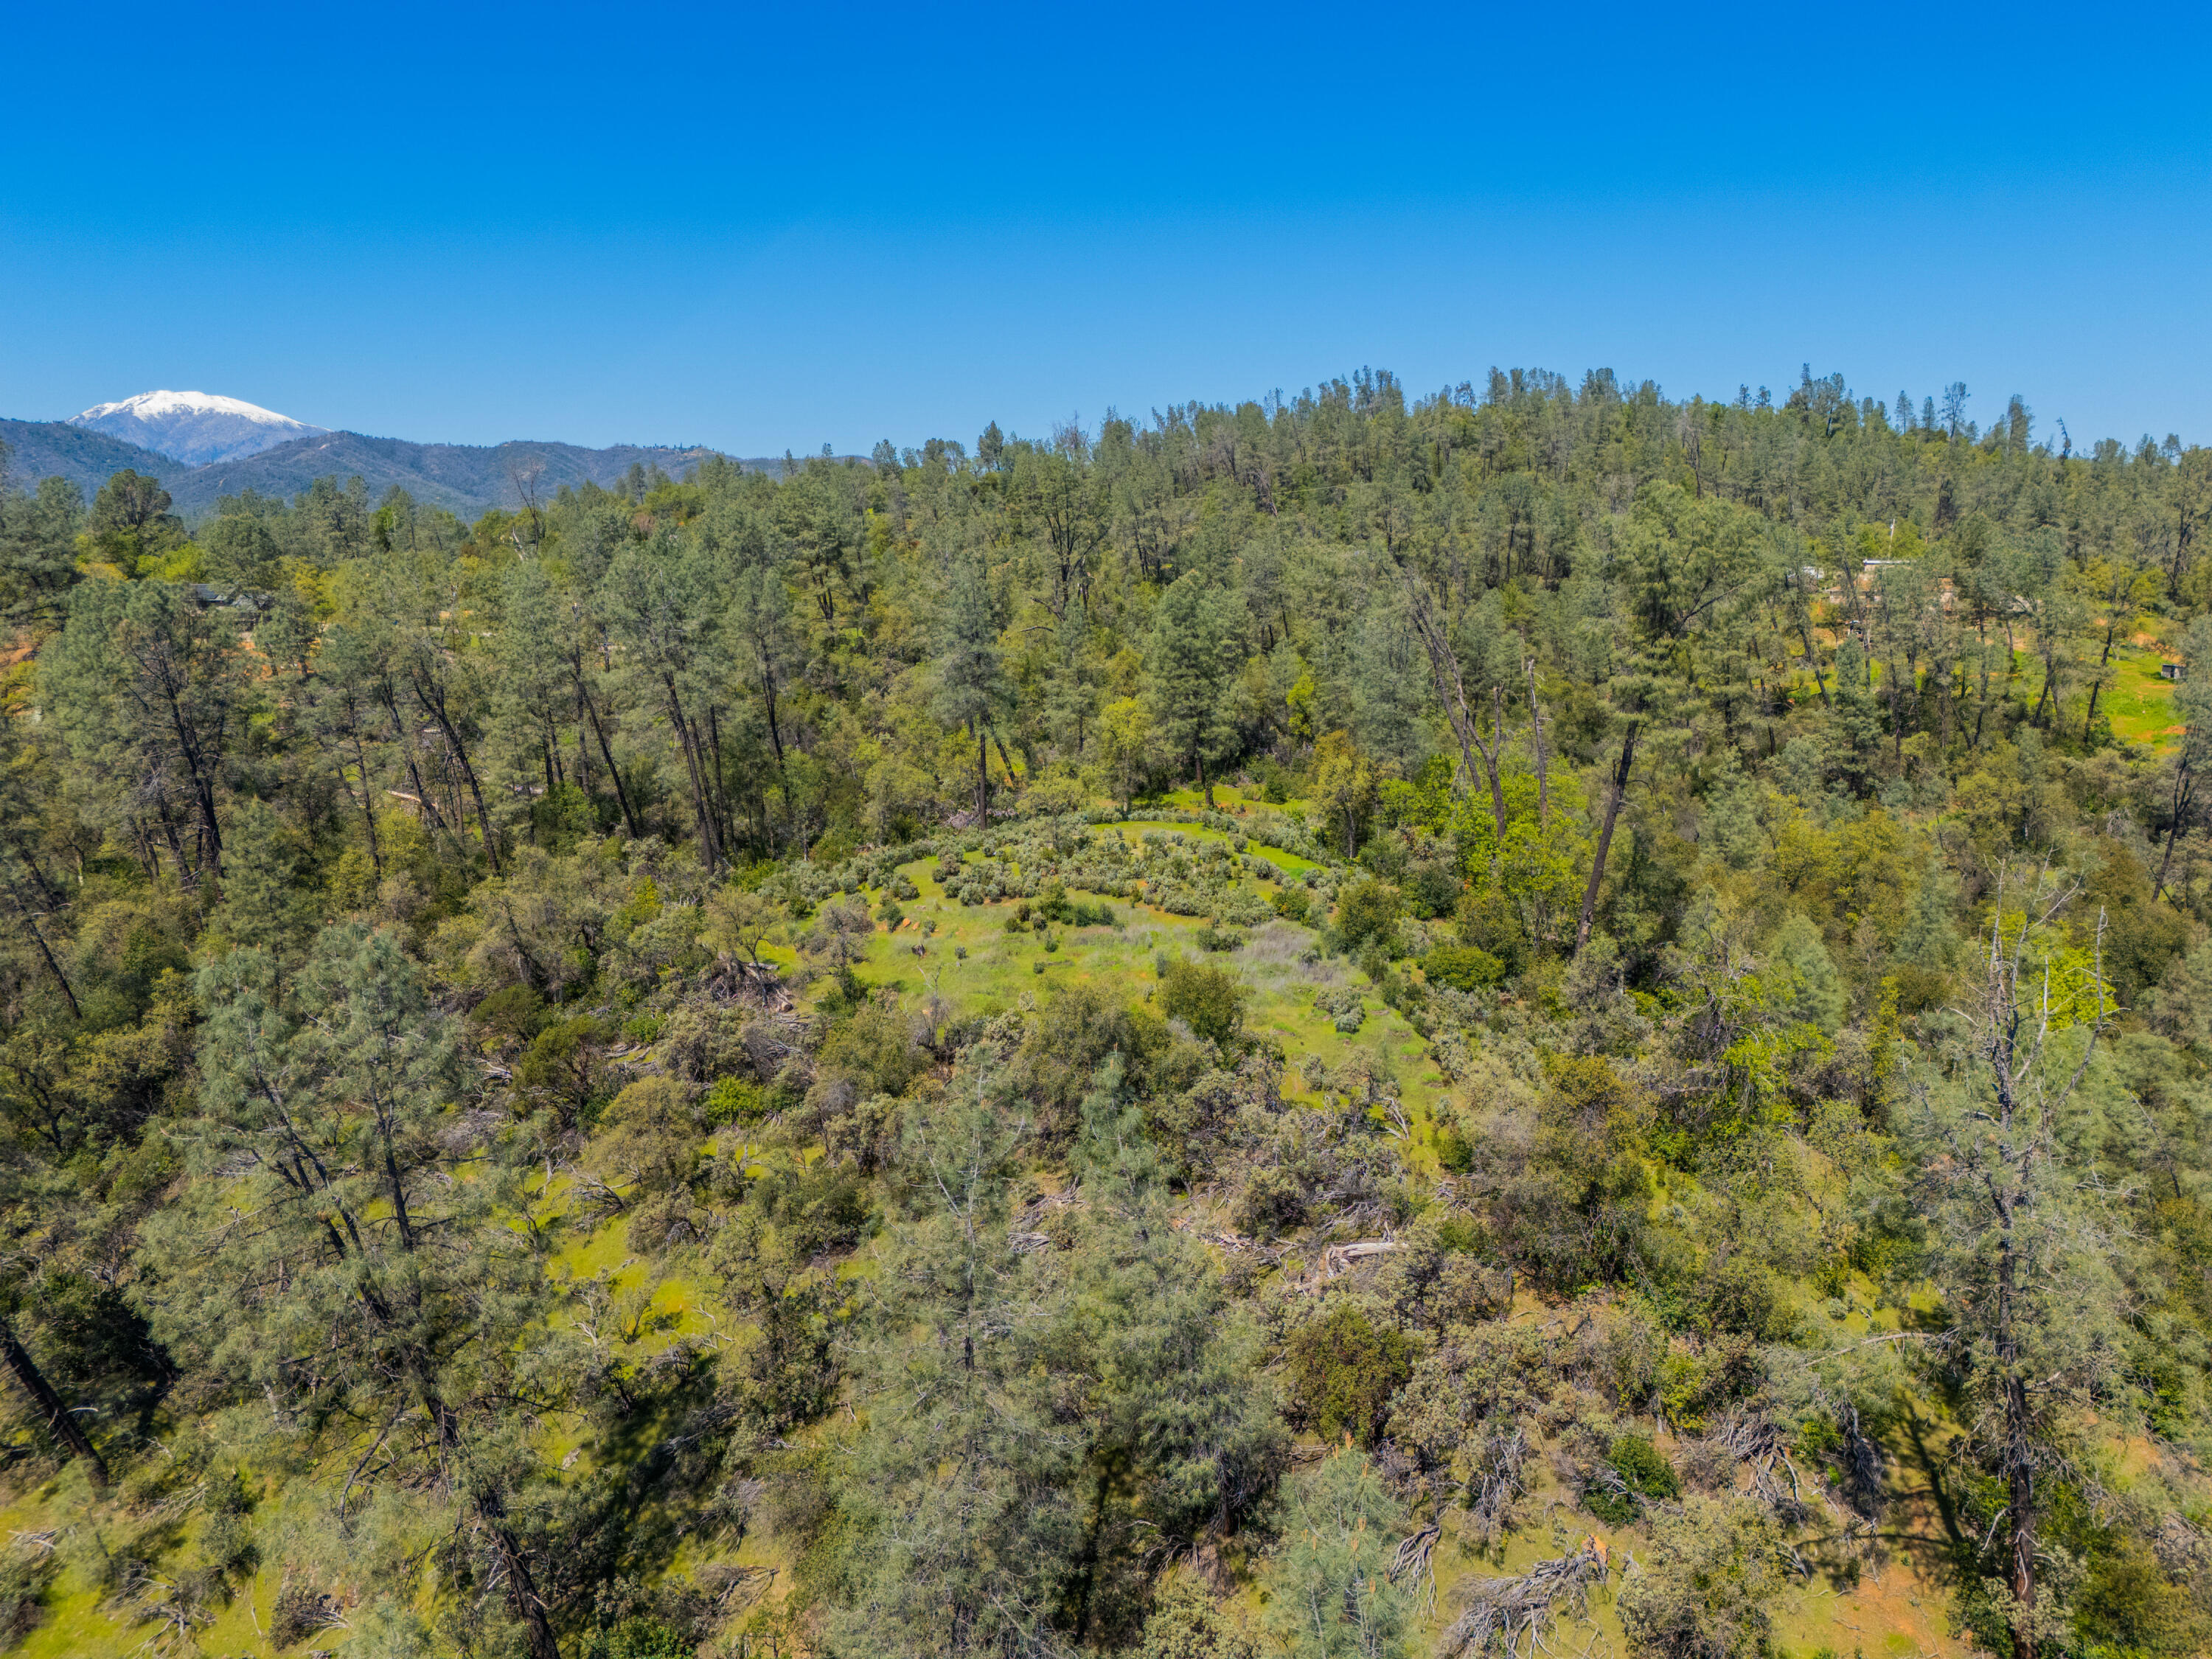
149	405
196	428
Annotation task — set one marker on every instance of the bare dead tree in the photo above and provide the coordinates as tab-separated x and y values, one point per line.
2024	1253
524	476
1451	692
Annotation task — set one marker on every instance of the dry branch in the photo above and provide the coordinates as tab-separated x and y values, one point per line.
1516	1616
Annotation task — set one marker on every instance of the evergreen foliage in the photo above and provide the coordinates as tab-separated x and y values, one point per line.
1147	1041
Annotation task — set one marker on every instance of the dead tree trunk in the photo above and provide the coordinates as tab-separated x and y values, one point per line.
60	1418
1605	836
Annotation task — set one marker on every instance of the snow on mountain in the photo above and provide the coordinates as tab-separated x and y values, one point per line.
196	428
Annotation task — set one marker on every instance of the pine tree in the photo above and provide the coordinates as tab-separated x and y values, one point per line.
1812	990
666	609
38	552
972	688
1179	1444
1190	664
1330	1592
152	697
263	908
2021	1244
961	1489
1388	686
375	1299
1074	697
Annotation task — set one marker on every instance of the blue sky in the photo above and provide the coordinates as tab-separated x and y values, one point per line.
770	228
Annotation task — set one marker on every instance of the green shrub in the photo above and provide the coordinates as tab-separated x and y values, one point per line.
1366	914
731	1101
1345	1007
1184	1624
1432	889
562	1067
1487	921
1343	1370
228	1546
1271	1203
1709	1573
514	1014
639	1639
2127	1603
1057	906
1460	1234
1453	1152
876	1048
1641	1470
1462	967
1207	998
1740	1299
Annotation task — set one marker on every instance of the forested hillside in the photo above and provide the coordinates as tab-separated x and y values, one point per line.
55	449
466	478
1533	1021
463	477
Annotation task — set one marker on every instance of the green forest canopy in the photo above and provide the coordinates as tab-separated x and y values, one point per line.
1341	1026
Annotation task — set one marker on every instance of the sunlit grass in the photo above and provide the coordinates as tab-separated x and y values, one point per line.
2140	701
1003	971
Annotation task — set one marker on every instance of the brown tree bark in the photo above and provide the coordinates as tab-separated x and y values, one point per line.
607	754
1536	741
1605	836
522	1599
46	953
2185	793
433	700
60	1418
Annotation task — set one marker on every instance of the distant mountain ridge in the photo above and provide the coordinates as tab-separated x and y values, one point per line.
50	449
467	479
196	428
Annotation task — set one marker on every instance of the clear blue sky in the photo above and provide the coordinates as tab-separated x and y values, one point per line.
782	227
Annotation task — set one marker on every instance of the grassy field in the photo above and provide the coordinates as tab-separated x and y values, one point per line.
1002	970
2140	701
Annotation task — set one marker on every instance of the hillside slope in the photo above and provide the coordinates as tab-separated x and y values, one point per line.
46	449
1099	1046
467	478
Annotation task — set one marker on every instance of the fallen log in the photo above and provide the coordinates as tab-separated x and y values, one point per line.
1515	1616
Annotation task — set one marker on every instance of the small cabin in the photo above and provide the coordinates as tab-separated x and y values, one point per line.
2170	670
209	597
